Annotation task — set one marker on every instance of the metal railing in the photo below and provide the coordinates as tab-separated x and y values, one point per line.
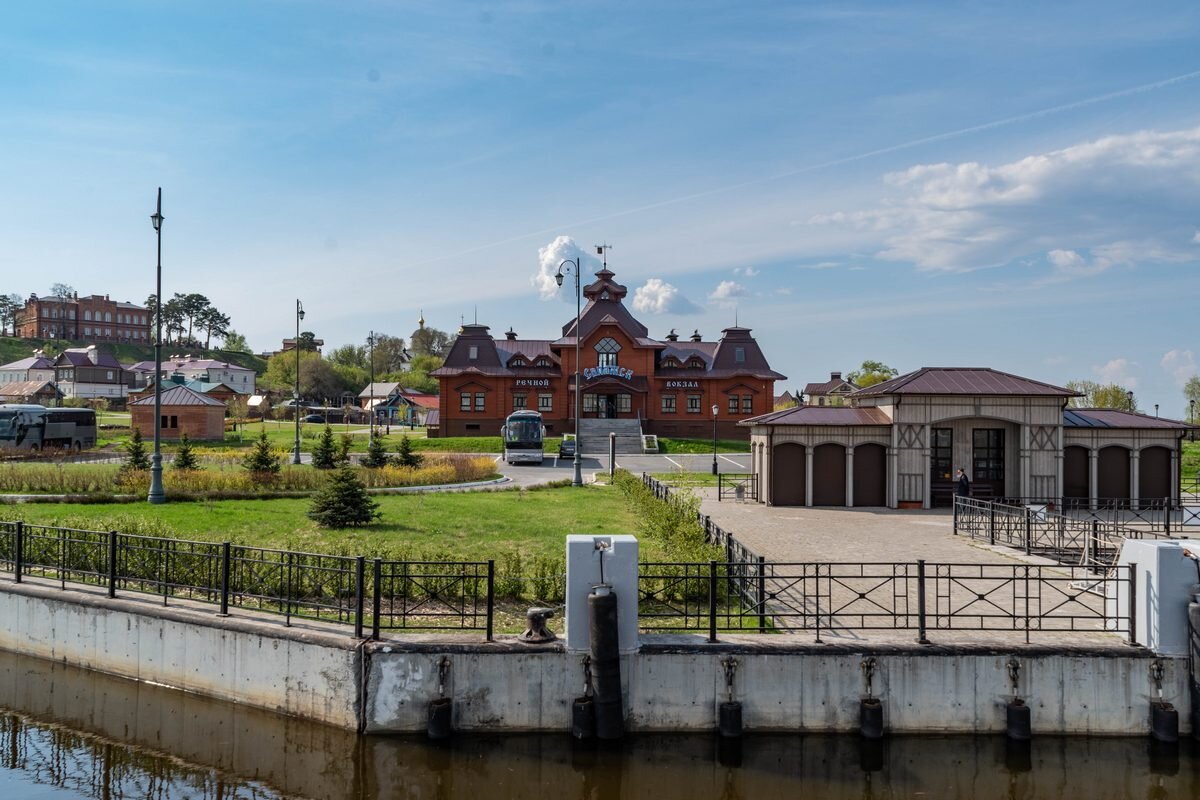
737	486
403	595
843	599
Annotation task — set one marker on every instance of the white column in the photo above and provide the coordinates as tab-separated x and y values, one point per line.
927	502
1093	476
1174	474
849	476
1025	488
1058	463
890	460
1135	469
808	475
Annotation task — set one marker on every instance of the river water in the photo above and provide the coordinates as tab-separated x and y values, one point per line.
70	733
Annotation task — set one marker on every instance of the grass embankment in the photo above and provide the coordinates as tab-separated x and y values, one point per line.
14	349
1189	466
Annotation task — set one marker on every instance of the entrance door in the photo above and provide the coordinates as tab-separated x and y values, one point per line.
787	475
870	475
1077	483
607	406
829	475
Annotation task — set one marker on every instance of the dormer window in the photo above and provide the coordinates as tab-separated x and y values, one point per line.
542	362
739	355
696	363
670	362
606	352
604	295
473	353
517	362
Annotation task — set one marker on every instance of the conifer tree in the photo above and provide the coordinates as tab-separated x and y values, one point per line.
343	502
260	461
325	452
343	452
185	457
376	454
405	455
135	453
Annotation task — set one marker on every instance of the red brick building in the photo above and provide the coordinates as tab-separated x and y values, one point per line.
669	385
183	411
92	319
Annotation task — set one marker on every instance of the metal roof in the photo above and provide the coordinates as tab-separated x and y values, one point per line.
821	415
180	396
1112	418
964	380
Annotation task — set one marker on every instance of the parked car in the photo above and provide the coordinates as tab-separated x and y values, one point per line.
567	448
312	418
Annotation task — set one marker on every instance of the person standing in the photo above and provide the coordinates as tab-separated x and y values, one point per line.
964	483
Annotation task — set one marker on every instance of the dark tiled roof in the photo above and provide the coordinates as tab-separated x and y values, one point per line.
433	418
1112	418
33	362
821	415
828	386
377	389
964	380
78	357
530	349
25	388
180	396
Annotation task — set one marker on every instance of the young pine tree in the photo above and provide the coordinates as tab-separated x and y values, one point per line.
343	502
405	455
136	459
260	461
343	451
325	452
185	457
376	454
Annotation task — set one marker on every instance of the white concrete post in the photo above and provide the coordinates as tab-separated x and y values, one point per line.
587	558
927	460
1163	577
849	476
808	475
1093	477
1135	471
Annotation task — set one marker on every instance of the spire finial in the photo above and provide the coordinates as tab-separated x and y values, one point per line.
421	320
602	251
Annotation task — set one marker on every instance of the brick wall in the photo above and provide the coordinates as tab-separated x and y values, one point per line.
200	422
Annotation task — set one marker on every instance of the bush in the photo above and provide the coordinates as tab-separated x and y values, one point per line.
376	454
343	451
261	462
136	459
405	455
325	453
672	524
344	502
185	457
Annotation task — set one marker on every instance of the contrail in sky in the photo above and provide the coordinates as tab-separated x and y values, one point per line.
937	137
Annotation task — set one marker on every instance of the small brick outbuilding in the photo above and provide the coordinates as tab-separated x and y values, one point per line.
183	410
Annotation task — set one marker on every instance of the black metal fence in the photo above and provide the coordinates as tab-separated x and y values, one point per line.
737	486
403	595
840	599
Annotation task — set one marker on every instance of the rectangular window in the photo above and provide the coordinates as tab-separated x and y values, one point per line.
464	401
87	330
545	402
624	403
941	454
733	404
589	403
87	315
693	401
174	421
668	404
747	404
480	399
987	458
606	359
739	354
472	426
519	401
473	352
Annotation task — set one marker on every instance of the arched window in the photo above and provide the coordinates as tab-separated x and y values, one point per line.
607	349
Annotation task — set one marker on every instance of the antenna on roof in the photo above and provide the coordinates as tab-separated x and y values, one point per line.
476	315
735	317
602	251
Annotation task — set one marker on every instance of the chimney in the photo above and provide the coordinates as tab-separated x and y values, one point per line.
105	297
835	376
695	337
510	334
92	354
672	336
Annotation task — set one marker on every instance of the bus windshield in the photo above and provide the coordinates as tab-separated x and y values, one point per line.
523	431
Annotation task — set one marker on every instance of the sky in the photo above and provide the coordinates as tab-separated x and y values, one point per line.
925	184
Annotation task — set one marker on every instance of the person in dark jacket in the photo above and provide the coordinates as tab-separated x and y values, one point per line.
964	483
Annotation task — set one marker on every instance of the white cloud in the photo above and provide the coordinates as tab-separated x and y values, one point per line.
549	259
657	296
820	265
1181	364
1117	371
1196	238
1109	193
745	272
727	293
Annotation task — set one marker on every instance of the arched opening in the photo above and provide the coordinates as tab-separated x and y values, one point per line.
787	474
1077	483
1112	481
829	475
870	475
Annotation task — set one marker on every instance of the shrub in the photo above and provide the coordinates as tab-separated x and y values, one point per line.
343	451
343	502
405	455
185	457
261	462
672	524
136	459
376	454
325	453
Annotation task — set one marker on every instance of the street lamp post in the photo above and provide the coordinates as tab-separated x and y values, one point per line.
157	495
296	394
1192	416
371	393
715	409
577	479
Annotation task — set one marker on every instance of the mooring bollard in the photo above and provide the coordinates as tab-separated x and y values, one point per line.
439	722
606	663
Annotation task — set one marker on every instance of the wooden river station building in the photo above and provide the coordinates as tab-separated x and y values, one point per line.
632	384
898	444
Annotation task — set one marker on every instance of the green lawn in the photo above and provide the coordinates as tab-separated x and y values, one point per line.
475	525
701	446
1190	465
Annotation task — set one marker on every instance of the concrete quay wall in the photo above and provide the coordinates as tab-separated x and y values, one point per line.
673	684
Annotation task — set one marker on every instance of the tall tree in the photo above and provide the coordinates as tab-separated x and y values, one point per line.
427	341
1100	395
1191	393
61	290
308	342
213	323
235	342
10	304
191	305
871	373
390	354
349	355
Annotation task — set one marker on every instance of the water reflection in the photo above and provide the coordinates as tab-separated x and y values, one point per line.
102	737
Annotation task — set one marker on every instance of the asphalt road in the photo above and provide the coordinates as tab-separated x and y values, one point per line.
554	468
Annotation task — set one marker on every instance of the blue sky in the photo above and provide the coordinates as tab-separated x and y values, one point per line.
926	184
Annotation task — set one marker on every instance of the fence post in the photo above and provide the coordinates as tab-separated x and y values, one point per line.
112	563
377	574
1132	578
1028	531
817	597
992	523
956	515
360	573
712	601
491	598
226	564
921	637
19	555
762	595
